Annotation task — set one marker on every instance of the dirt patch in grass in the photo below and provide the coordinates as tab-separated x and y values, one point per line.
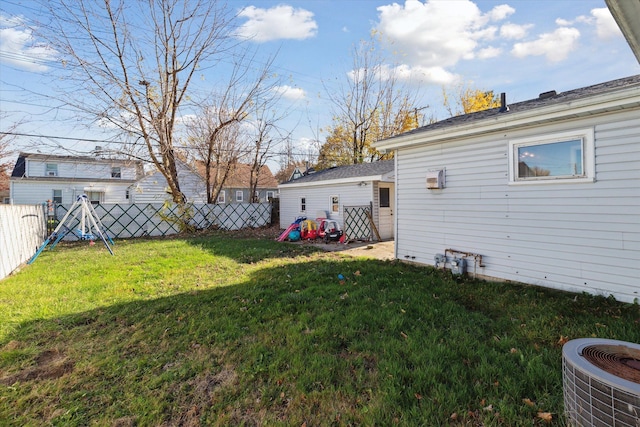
196	395
50	364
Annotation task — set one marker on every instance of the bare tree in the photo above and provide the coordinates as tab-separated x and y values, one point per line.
215	133
133	63
372	104
6	138
265	134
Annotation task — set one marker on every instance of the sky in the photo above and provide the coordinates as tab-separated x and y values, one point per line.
519	47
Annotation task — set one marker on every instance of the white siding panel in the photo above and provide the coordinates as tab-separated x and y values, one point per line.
318	199
578	237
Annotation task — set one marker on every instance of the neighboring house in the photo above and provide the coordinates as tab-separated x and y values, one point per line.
546	191
237	189
37	178
4	188
329	191
153	187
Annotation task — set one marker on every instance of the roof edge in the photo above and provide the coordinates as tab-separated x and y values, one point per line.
627	98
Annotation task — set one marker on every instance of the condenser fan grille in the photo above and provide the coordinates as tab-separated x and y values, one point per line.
618	360
601	382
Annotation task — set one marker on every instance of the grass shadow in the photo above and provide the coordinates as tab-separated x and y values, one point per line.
388	344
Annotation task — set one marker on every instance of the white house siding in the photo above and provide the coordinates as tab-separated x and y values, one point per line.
577	237
77	169
318	199
153	188
30	191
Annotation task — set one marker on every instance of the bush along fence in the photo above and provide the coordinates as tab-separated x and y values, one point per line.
163	219
22	231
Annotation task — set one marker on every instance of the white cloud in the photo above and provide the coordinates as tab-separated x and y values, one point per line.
489	52
499	13
424	75
563	22
279	22
19	48
289	92
606	26
437	34
514	31
554	46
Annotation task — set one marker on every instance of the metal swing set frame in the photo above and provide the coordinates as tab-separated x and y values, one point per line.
88	220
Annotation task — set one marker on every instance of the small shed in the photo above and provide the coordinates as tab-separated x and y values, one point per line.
359	197
544	191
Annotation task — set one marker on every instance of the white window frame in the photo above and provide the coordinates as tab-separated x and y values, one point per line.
588	157
334	205
53	196
239	196
221	198
270	195
95	197
303	204
49	168
116	172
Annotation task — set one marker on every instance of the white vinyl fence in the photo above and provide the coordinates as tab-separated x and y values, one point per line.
22	232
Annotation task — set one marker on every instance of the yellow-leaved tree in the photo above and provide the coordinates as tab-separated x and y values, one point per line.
464	99
369	105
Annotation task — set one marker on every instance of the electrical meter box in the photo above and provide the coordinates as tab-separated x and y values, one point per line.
435	179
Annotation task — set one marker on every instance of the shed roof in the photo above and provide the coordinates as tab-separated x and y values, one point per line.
361	170
548	106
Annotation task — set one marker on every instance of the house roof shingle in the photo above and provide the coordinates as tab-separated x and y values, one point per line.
240	175
548	99
350	171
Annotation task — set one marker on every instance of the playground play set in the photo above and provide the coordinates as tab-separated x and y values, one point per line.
307	229
89	227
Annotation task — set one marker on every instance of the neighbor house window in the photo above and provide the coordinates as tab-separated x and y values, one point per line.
221	197
116	172
269	195
57	196
239	195
335	204
51	169
562	157
303	204
127	194
95	197
6	200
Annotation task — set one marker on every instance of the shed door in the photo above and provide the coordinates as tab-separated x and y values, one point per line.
385	212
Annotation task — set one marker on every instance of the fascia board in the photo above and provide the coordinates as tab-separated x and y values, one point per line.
350	180
500	123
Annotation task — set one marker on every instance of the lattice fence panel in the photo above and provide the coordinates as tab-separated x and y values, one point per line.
356	223
157	219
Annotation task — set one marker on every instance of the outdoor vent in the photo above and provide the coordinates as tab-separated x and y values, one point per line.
545	95
601	382
435	179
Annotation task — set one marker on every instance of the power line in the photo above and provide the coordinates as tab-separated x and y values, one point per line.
185	147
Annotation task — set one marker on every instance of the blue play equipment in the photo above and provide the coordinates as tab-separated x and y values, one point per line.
89	221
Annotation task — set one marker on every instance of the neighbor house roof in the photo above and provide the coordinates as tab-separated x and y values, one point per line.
548	107
360	172
239	177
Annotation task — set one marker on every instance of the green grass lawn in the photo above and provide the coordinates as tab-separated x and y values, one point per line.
225	331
